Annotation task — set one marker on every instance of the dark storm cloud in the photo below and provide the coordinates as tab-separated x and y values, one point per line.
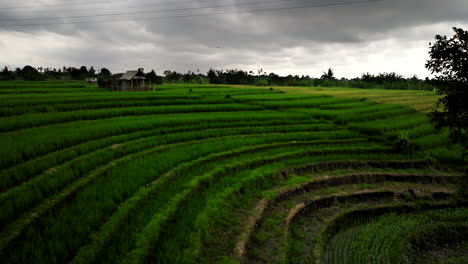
286	41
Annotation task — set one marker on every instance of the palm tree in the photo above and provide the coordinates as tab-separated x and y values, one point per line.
330	75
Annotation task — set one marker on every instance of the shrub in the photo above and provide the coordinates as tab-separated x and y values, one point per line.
33	77
402	143
105	83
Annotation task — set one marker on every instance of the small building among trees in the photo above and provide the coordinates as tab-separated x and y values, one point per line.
91	80
132	81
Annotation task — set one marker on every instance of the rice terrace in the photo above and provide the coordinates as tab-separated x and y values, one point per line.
219	173
261	132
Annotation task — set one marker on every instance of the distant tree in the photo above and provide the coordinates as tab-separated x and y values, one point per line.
29	69
414	78
75	73
51	73
83	72
172	75
83	69
105	72
391	77
153	77
105	79
274	79
449	60
367	77
6	74
30	73
187	77
329	75
92	71
212	76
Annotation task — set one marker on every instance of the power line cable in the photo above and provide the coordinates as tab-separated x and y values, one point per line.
131	7
105	2
67	4
150	11
200	15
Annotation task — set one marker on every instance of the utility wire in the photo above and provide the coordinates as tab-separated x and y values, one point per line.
122	7
106	2
68	4
150	11
201	15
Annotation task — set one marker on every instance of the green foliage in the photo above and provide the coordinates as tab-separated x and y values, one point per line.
105	72
329	75
367	81
449	59
29	73
105	82
153	78
402	144
6	75
229	76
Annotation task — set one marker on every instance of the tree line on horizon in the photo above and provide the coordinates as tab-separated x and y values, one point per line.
29	73
382	80
231	76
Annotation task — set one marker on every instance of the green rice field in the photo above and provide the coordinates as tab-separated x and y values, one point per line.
226	174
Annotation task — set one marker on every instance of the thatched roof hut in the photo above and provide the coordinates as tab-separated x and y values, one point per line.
133	75
133	81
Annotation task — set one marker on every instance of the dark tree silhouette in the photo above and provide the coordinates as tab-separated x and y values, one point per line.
92	71
29	69
105	72
29	73
172	75
6	74
449	61
213	77
329	75
83	70
153	77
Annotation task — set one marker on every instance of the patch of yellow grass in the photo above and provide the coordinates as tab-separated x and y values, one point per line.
424	101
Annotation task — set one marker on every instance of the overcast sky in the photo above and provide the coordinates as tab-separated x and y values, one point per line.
382	36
